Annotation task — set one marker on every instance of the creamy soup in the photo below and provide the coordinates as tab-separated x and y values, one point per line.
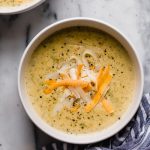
14	3
80	80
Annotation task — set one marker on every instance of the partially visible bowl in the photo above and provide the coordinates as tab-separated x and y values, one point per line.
19	9
90	137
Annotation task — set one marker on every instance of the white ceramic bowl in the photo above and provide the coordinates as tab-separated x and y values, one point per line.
91	137
20	9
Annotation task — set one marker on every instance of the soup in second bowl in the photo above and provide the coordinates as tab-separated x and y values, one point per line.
80	80
14	3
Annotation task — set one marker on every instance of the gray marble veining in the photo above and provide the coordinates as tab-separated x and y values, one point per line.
144	30
130	16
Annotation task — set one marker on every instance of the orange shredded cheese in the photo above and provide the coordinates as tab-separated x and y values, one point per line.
74	108
66	82
103	87
102	75
79	68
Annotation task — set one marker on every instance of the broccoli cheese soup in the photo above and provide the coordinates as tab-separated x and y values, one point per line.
80	80
14	3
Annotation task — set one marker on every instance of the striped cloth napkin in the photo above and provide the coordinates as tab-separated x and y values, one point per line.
135	136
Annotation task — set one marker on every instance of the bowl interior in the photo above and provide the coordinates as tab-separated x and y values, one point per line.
91	137
21	8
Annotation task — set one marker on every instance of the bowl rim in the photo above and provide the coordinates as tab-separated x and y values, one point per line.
20	9
64	139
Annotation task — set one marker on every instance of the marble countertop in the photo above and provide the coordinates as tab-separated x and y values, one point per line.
131	17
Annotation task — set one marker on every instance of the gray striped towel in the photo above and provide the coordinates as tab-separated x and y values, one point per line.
135	136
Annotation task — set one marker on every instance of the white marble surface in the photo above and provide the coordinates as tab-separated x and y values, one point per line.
130	16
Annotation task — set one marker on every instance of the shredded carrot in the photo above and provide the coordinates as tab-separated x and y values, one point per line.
53	85
88	88
102	75
47	90
50	81
79	68
74	108
66	82
99	77
103	87
107	106
70	82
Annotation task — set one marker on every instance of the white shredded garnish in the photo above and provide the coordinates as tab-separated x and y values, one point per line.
54	75
73	76
74	92
63	69
91	75
61	102
89	52
88	75
72	73
78	61
85	97
66	94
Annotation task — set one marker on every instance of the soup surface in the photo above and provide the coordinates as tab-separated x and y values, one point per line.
14	3
80	80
